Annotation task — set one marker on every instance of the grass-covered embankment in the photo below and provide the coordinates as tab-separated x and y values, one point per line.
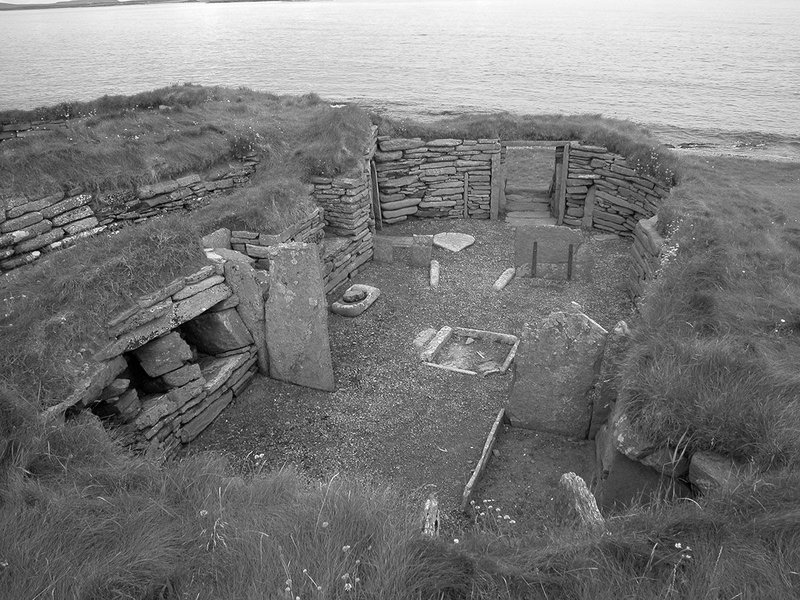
715	354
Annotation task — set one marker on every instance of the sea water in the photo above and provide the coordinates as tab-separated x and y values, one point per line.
716	74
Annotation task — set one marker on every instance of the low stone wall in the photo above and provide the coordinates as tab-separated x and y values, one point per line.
347	202
255	245
646	254
13	130
438	179
603	192
32	227
177	358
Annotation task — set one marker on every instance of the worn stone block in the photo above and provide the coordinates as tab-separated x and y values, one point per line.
163	354
191	290
220	238
77	214
193	428
421	250
251	287
383	250
217	332
40	241
709	471
552	244
297	318
182	375
557	364
22	222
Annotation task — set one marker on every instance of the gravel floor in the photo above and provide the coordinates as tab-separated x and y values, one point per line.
393	420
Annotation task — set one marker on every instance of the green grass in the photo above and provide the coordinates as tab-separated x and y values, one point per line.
83	519
644	153
715	353
124	142
53	312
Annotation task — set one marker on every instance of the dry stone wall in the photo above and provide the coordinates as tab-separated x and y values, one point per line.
646	254
603	192
347	202
177	358
30	228
439	179
28	128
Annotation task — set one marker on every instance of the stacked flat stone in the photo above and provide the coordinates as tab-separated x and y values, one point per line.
349	220
30	228
439	179
645	256
29	128
619	198
342	257
254	244
196	382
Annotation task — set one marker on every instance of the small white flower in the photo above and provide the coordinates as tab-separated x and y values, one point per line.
324	524
203	513
348	586
345	548
512	522
455	541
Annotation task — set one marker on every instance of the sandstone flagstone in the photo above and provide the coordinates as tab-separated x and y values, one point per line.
557	365
297	318
455	242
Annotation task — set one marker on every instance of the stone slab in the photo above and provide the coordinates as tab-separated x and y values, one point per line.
217	332
297	318
164	354
219	238
455	242
557	364
552	244
251	286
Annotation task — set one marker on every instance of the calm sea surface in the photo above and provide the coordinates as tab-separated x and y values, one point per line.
720	72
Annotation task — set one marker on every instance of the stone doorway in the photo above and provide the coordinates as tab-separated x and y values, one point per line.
529	182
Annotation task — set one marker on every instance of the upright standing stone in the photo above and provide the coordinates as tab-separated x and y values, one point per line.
297	317
248	285
421	247
556	367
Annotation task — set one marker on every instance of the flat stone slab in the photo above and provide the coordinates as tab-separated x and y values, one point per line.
470	351
552	243
557	365
353	309
297	318
455	242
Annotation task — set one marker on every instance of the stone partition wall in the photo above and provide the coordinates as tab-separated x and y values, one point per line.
603	192
347	202
255	245
646	253
438	179
32	227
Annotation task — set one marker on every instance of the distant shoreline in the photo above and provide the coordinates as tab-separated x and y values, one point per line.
103	3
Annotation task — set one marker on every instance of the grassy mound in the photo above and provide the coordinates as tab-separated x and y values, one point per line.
715	354
123	142
82	519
